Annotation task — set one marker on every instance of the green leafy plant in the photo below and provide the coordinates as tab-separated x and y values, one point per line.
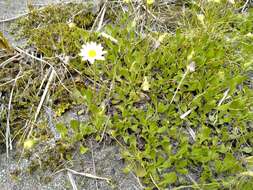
180	104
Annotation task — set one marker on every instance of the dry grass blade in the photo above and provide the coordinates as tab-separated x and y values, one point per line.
192	133
8	140
13	58
178	87
10	81
244	7
72	181
224	97
32	56
93	163
153	181
139	181
102	17
51	78
42	61
13	18
88	175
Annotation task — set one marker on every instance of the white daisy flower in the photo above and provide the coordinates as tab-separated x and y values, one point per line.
92	51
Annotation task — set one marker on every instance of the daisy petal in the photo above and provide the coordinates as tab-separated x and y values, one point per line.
92	51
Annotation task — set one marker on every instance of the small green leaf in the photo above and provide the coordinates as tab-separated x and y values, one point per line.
74	124
140	171
62	129
170	177
127	169
83	149
247	150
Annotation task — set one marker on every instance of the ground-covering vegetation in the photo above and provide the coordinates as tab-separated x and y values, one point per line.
175	94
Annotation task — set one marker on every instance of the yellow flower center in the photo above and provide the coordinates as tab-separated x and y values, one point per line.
92	53
150	2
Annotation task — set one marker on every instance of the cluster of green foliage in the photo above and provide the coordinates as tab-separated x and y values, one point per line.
211	146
